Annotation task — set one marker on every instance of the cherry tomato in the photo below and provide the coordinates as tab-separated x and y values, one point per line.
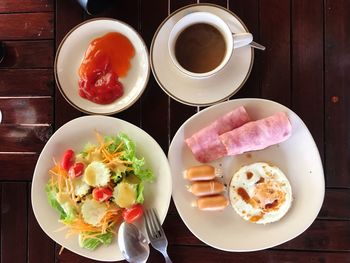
76	170
132	213
102	194
67	159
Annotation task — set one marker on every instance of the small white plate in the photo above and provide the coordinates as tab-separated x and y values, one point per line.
297	157
205	91
70	54
74	135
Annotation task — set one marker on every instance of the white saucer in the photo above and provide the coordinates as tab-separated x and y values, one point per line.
207	91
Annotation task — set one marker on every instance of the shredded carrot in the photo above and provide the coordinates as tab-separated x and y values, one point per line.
61	181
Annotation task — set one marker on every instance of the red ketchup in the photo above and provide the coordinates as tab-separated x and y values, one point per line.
106	59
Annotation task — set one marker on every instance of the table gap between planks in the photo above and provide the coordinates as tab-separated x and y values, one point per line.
305	67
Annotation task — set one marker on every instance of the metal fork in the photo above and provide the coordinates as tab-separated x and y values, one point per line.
156	233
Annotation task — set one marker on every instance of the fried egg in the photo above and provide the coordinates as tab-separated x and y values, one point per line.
260	193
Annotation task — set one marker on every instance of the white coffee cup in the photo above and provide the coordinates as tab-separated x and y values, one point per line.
233	41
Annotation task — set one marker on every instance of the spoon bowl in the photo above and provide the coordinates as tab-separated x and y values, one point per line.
132	243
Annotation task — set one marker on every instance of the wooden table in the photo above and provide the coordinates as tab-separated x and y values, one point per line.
306	67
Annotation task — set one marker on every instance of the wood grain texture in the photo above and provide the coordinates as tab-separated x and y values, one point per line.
14	222
307	66
26	82
16	138
28	110
24	169
337	92
336	204
154	101
68	15
275	34
174	5
28	54
26	26
321	235
12	6
40	246
248	12
190	254
222	3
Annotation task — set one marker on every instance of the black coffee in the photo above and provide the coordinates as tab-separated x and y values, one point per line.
200	48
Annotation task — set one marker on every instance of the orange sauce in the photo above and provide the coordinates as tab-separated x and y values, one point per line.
249	175
243	193
106	59
256	217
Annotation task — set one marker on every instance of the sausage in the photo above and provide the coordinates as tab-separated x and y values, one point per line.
206	188
201	173
211	203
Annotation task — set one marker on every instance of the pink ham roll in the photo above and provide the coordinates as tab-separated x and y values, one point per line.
205	144
257	135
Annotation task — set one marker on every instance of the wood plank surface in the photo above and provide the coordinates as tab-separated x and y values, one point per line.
26	26
13	222
307	71
40	246
321	235
26	82
248	12
336	204
16	138
28	110
154	99
275	34
68	15
304	67
190	254
12	6
23	162
222	3
28	54
337	92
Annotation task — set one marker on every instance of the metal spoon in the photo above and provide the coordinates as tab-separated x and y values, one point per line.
132	243
257	45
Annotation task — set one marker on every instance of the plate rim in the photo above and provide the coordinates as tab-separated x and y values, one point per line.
34	207
58	84
319	160
152	48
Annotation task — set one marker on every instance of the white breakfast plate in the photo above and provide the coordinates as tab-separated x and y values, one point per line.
298	157
70	54
205	91
75	134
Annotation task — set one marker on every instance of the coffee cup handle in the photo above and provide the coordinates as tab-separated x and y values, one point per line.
241	39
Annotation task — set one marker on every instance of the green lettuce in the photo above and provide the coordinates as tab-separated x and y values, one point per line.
129	154
139	193
94	242
137	164
51	193
67	211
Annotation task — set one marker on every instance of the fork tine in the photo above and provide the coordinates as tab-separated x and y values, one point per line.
153	223
148	226
157	222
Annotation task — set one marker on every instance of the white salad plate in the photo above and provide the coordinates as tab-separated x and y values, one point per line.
297	157
74	135
203	91
70	54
